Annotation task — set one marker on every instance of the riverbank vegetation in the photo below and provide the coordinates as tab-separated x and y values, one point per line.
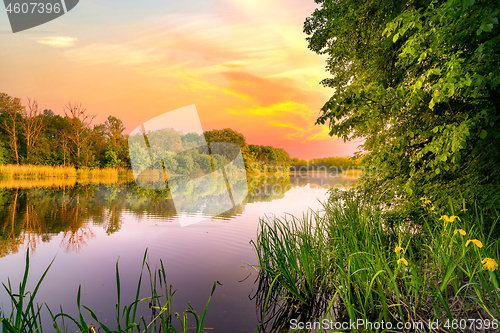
37	144
347	263
335	164
418	239
30	135
40	172
420	83
27	316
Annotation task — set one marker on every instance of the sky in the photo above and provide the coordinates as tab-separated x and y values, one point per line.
244	64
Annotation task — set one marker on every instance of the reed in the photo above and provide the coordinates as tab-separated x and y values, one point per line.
11	171
28	176
442	270
25	316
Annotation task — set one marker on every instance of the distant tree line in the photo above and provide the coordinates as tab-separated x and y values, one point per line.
30	135
330	164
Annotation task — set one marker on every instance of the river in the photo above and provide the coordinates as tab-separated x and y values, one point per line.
88	227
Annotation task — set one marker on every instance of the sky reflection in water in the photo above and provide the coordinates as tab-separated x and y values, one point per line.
88	227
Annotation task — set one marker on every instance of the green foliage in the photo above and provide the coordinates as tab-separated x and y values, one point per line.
203	162
348	257
111	158
335	164
4	155
10	123
185	164
25	315
54	146
270	156
229	135
419	81
69	141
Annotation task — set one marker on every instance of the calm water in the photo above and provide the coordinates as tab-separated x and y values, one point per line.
88	227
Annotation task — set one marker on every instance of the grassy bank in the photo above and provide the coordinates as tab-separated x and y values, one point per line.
26	315
36	172
348	263
12	171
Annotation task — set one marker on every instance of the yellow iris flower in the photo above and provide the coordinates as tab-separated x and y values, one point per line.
449	219
489	263
402	261
460	231
425	201
475	242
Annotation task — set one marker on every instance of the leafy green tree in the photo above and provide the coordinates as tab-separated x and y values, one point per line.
53	143
10	110
191	140
111	158
31	125
114	129
330	164
203	162
229	135
79	123
171	164
4	154
219	161
98	140
270	155
185	164
419	80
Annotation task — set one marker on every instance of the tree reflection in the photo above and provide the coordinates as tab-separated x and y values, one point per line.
72	210
10	240
31	225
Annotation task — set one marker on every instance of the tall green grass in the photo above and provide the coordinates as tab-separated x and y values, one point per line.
364	269
26	315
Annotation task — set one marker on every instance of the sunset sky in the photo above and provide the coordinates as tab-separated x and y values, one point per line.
243	63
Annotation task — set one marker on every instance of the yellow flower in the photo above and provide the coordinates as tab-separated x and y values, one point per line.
398	249
402	261
475	242
489	263
460	231
432	208
446	219
425	200
464	210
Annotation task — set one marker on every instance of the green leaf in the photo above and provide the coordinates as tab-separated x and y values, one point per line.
483	134
431	104
418	84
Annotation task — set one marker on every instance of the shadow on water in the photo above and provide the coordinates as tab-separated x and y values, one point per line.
276	312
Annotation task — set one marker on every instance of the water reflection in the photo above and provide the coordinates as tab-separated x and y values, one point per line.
35	211
276	312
